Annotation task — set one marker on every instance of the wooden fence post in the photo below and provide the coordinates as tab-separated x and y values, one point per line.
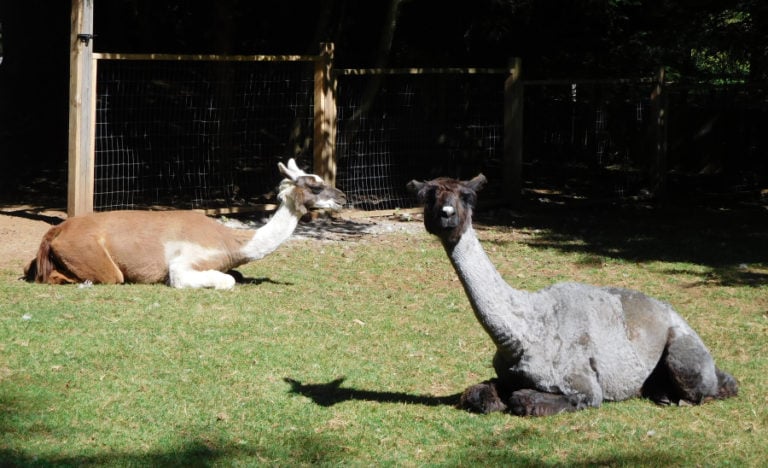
82	97
325	116
659	112
512	164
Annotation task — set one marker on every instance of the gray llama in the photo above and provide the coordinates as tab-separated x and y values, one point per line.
569	346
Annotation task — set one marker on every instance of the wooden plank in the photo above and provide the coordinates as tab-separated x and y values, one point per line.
235	210
424	71
512	164
358	214
324	138
659	109
590	81
80	176
206	57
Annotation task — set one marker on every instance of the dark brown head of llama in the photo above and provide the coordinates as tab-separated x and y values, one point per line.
448	205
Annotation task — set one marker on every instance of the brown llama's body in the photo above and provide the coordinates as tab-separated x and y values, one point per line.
185	249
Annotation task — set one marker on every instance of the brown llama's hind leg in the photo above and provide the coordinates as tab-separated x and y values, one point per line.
57	277
86	259
45	270
483	398
52	274
46	267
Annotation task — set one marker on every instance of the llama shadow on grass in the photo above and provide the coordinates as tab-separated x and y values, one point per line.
331	393
242	279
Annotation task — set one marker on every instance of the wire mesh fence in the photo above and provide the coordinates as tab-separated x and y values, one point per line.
718	138
595	139
596	134
397	127
197	133
207	134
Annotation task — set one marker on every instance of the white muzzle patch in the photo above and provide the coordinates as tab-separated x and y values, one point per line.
327	204
449	210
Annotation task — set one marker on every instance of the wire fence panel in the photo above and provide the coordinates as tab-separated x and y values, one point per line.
198	133
594	133
397	127
208	134
595	139
718	137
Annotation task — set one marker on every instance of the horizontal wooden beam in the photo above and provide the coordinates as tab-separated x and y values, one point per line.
206	58
423	71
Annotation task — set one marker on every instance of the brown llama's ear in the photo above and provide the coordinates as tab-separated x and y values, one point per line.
283	170
476	183
291	171
293	167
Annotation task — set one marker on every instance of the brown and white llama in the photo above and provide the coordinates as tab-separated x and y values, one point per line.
569	346
184	249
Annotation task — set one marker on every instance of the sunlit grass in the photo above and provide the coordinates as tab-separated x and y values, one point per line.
347	354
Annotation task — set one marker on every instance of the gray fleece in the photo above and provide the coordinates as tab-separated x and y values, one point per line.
576	339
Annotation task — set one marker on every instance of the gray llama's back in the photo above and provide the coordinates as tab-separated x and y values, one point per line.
602	342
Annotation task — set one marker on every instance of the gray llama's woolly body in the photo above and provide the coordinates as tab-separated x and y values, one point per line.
573	339
569	346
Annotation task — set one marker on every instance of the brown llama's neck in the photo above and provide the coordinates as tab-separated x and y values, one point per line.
498	307
269	237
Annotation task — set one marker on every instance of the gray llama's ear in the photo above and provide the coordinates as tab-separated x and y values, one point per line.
417	188
414	186
476	183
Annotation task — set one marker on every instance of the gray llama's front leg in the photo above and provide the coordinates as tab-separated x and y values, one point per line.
584	392
489	396
528	402
485	397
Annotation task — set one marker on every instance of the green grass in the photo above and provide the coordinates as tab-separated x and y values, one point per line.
350	354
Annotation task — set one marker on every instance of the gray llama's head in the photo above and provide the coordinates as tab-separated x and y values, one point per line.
448	205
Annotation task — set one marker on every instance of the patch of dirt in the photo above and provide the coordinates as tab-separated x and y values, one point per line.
21	228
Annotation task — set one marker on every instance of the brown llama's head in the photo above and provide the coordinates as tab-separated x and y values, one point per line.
448	205
308	191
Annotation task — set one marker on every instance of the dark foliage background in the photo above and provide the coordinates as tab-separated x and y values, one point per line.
697	40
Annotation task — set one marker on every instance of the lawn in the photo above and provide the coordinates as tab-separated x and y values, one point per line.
354	352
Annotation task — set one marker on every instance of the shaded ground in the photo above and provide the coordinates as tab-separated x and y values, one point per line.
729	238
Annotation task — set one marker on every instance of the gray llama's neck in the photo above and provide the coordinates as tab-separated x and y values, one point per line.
498	307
